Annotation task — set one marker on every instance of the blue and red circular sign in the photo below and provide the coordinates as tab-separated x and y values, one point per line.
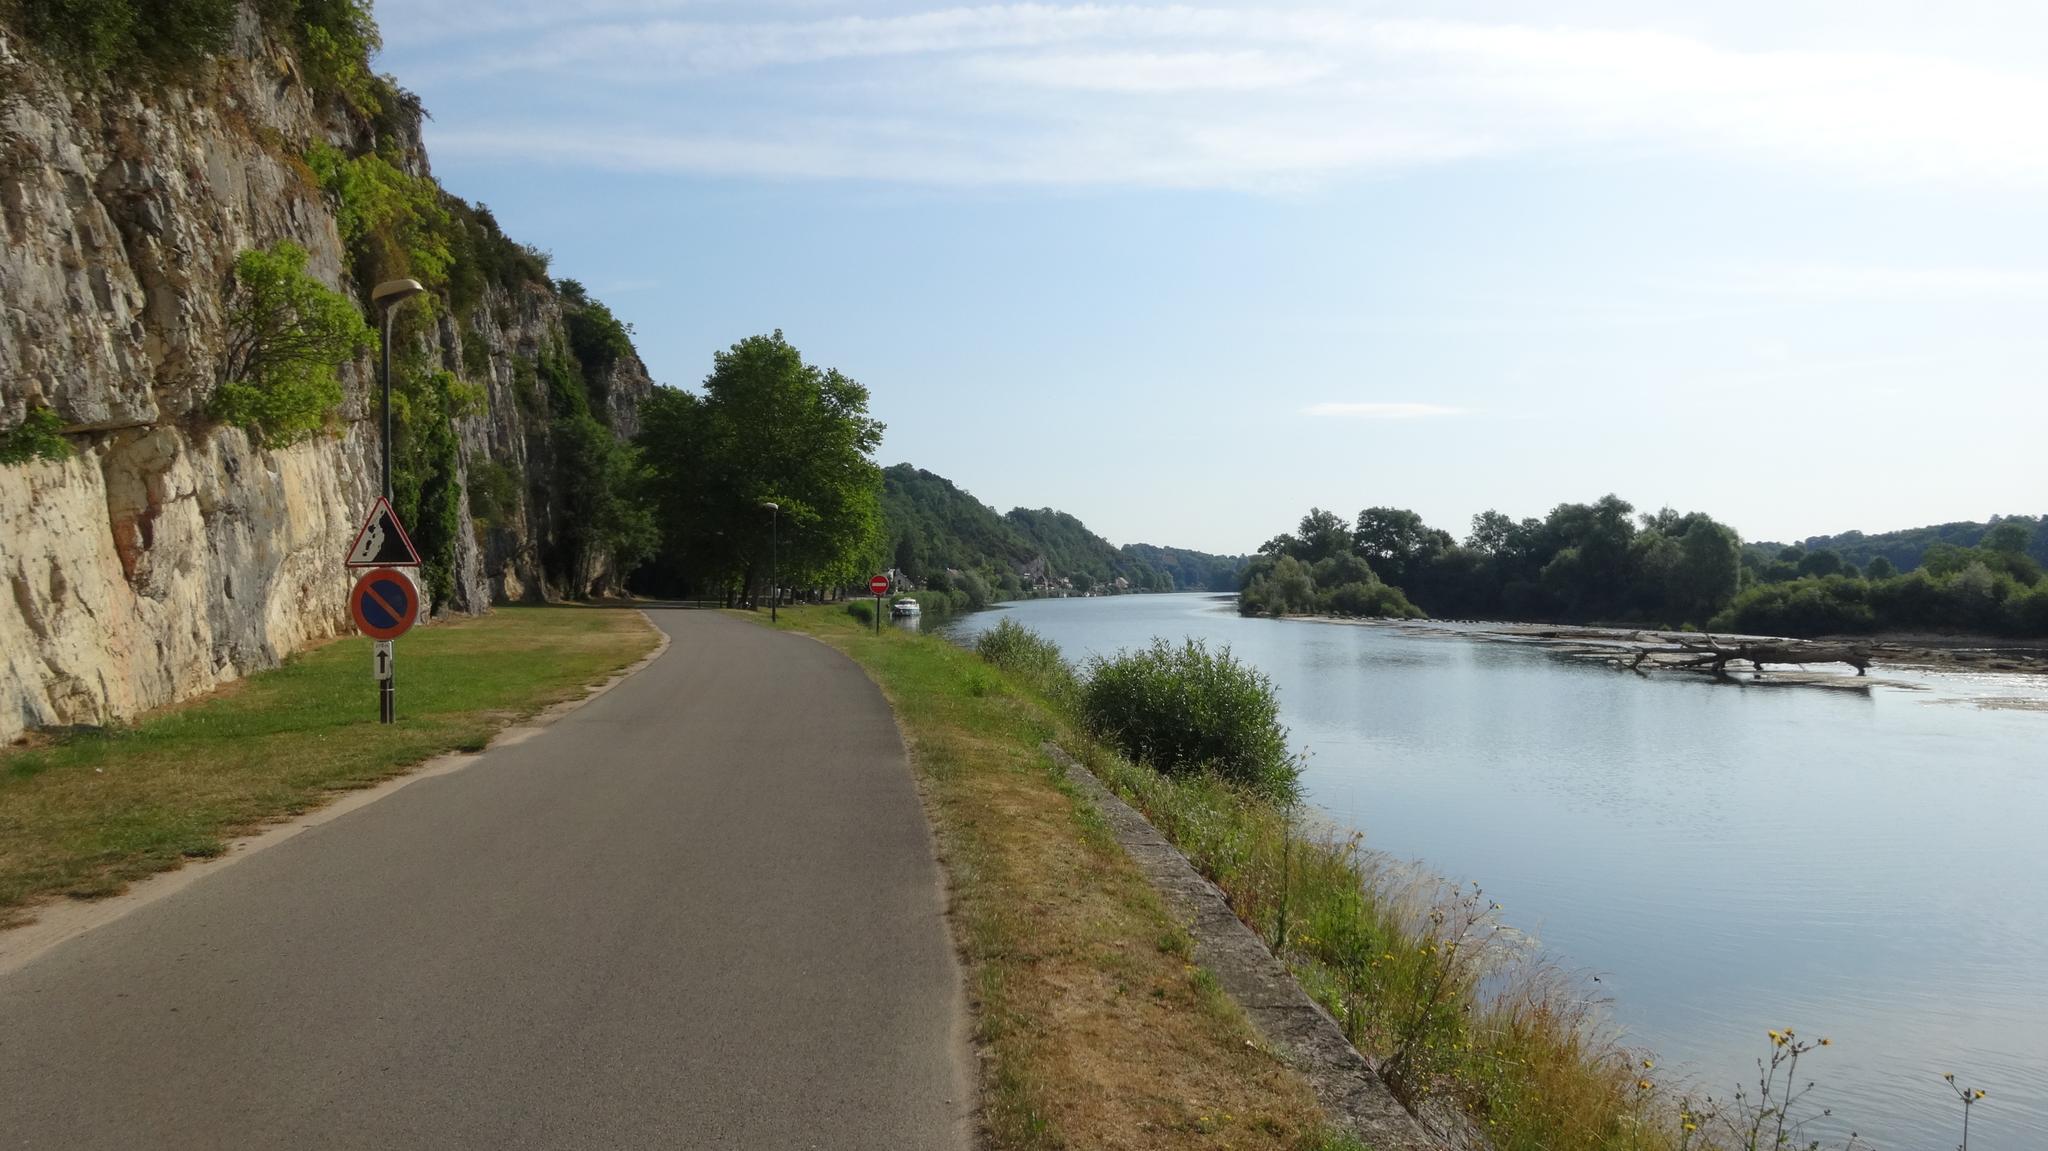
384	603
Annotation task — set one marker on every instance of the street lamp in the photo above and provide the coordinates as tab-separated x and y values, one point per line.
774	545
387	296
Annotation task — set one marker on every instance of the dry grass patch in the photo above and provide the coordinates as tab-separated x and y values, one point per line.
1097	1029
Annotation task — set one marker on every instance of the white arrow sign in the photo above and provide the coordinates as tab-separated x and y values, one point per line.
381	660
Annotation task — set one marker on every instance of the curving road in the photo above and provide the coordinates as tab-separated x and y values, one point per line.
701	911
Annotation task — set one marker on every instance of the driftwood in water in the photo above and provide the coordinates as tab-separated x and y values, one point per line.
1709	654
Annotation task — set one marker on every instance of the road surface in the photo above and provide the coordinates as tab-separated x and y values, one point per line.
701	911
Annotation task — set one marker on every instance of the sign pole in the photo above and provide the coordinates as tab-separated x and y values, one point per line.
387	700
385	604
879	587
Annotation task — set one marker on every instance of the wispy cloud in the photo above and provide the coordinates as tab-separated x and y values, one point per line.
1866	282
1382	411
1175	95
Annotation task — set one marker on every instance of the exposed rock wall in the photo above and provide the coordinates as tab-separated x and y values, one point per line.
171	554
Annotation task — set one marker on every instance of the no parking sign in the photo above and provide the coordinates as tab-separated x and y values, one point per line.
384	603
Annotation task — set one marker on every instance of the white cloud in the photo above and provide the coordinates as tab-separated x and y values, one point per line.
1153	71
1381	411
1844	282
1209	97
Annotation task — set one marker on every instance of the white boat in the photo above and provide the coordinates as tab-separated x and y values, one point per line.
904	607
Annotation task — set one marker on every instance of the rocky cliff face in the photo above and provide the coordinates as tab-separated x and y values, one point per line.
170	554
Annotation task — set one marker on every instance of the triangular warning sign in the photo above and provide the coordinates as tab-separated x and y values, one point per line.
382	542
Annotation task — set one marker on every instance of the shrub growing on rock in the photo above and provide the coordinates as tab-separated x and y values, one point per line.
287	333
39	436
1184	710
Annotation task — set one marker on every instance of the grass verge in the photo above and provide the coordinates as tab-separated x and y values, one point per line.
1097	1029
83	815
1471	1028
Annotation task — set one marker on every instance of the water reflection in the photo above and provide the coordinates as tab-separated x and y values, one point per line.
1868	865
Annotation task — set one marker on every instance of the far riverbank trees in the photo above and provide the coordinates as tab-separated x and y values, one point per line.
1602	562
1581	562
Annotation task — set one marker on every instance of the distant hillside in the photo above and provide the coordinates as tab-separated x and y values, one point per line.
1191	570
934	525
1904	548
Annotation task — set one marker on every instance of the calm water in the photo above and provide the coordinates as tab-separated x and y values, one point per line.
1870	866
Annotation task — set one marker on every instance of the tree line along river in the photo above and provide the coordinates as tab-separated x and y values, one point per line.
1717	860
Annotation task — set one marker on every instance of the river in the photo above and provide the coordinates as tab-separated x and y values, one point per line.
1867	865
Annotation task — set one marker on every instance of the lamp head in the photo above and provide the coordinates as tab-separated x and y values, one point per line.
771	505
392	291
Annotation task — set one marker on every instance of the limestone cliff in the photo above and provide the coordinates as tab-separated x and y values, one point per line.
170	553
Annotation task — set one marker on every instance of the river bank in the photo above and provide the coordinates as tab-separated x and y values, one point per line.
1725	858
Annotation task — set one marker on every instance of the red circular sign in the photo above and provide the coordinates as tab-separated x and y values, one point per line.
879	585
384	603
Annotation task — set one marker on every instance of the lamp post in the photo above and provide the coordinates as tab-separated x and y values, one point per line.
774	546
387	296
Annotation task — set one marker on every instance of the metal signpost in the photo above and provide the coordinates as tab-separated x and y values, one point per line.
880	586
385	601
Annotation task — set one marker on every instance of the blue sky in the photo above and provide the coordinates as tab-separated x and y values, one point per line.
1185	270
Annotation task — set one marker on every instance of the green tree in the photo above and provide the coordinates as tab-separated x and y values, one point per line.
1324	536
1491	532
768	427
1821	562
425	466
605	525
287	334
1880	568
1396	543
2007	539
1708	572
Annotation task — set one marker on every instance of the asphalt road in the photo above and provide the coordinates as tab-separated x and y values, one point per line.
702	911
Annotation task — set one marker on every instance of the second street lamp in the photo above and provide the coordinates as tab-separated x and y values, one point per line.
774	545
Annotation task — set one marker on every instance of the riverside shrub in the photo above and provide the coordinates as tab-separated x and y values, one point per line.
1031	657
1185	710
